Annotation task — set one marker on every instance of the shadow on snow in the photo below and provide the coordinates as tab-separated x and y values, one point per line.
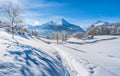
32	62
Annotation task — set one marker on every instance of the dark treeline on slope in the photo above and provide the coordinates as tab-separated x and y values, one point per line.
104	29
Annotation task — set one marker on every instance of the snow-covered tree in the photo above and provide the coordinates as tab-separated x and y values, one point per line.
78	35
64	36
12	12
118	30
34	33
56	36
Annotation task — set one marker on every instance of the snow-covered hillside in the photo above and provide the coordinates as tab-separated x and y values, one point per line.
32	57
28	57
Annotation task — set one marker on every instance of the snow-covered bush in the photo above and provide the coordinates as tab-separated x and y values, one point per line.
78	35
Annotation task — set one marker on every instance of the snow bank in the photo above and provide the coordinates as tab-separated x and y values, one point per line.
28	57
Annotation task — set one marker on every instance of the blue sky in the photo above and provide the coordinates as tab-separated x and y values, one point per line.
79	12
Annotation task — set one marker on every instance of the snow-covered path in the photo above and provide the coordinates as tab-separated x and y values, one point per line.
72	63
97	59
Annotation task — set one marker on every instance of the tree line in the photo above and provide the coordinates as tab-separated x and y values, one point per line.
111	29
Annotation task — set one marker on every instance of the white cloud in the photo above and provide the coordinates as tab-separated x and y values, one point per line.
6	1
43	5
39	4
31	14
44	20
34	22
31	3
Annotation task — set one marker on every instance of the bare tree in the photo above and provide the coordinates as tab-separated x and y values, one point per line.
12	12
92	32
78	35
56	36
64	36
34	33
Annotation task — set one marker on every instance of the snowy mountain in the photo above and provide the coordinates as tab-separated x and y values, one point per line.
100	23
62	25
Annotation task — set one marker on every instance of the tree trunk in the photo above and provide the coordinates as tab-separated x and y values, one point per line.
12	28
12	32
57	40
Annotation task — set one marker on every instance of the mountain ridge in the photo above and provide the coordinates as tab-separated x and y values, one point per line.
52	26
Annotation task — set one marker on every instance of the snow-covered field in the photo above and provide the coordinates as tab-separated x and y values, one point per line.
32	57
96	57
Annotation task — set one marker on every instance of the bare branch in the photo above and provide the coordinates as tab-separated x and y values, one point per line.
12	12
